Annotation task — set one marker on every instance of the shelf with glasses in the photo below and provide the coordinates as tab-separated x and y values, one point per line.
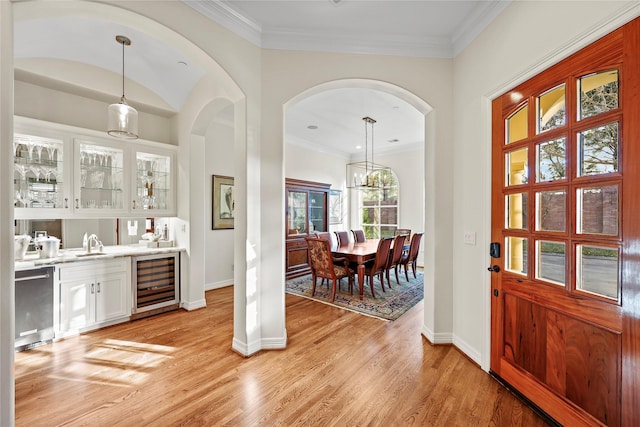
61	172
153	187
38	172
101	176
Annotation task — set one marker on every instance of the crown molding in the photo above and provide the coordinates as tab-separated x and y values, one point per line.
225	15
483	14
223	12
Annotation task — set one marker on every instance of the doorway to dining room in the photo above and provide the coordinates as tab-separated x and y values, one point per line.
323	132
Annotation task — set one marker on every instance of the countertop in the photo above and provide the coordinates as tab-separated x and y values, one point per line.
77	255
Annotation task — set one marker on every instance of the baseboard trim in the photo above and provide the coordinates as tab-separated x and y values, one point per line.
249	349
437	338
218	285
193	305
468	350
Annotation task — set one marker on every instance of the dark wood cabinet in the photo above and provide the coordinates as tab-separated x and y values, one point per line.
305	212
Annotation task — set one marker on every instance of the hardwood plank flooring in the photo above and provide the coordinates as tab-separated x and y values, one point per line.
339	369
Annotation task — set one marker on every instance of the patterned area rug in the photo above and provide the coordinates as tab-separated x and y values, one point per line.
388	305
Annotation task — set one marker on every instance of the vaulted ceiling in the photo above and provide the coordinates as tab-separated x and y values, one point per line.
159	78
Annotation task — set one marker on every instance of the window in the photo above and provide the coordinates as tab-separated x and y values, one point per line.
379	206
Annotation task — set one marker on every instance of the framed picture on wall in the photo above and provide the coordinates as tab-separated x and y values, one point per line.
223	203
335	207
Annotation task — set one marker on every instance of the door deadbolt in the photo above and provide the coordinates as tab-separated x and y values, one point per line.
494	268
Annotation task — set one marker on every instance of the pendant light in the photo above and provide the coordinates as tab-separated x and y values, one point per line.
367	174
123	119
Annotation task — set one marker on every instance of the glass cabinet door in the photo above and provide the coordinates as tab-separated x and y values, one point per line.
153	188
39	174
317	211
99	177
297	215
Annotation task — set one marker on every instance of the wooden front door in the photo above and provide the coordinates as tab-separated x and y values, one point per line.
565	316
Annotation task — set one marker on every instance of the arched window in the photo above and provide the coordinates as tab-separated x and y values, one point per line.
379	205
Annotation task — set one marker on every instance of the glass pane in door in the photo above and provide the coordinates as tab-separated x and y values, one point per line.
38	172
517	168
597	270
516	255
551	261
101	177
153	181
517	128
516	215
297	212
598	150
597	210
598	93
551	160
551	209
551	109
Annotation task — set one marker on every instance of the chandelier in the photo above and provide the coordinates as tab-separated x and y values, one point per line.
123	119
367	174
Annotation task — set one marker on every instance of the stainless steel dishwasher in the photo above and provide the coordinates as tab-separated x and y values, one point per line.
34	307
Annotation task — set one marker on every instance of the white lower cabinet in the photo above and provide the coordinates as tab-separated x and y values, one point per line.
92	294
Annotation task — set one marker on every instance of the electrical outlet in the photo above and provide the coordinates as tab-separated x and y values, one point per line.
470	237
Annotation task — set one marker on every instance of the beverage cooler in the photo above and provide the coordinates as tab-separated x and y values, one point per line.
155	284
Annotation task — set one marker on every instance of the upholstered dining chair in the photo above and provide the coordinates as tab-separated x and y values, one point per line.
412	256
322	265
343	237
400	231
378	265
395	256
358	236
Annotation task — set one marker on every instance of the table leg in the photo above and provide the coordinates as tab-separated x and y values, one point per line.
361	280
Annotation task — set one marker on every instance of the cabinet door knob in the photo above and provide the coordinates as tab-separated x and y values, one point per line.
134	204
98	287
92	286
66	203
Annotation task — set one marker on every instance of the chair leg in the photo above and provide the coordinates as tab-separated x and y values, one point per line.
373	294
413	267
382	280
313	286
333	290
406	274
395	268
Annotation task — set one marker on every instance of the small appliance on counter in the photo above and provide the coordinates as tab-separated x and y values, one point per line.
20	246
47	246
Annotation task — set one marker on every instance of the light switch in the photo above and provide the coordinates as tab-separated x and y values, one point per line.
470	237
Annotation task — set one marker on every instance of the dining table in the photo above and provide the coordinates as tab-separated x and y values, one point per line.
358	253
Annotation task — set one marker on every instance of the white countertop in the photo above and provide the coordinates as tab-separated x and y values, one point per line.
108	252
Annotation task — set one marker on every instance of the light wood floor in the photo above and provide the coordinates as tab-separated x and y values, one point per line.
339	368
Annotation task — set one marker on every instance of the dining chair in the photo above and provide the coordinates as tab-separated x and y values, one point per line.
323	265
406	231
343	237
378	265
395	256
412	256
358	236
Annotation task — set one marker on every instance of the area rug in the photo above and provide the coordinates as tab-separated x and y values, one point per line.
389	305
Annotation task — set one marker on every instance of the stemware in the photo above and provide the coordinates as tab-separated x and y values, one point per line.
51	150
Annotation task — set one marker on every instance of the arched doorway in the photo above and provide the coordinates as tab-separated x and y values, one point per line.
426	185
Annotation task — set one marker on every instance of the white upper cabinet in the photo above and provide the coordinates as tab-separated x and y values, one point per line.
65	172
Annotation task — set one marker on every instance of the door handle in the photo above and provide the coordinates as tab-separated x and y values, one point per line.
494	268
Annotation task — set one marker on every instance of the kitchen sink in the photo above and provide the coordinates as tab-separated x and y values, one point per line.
83	254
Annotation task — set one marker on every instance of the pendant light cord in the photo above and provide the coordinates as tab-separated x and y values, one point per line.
123	70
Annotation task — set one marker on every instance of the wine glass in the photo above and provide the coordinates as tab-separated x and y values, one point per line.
51	150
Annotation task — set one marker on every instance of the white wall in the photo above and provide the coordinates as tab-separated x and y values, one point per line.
502	56
218	243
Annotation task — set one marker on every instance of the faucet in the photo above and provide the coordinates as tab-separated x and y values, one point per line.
89	243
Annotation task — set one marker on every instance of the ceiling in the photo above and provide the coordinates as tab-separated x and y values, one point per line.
159	78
